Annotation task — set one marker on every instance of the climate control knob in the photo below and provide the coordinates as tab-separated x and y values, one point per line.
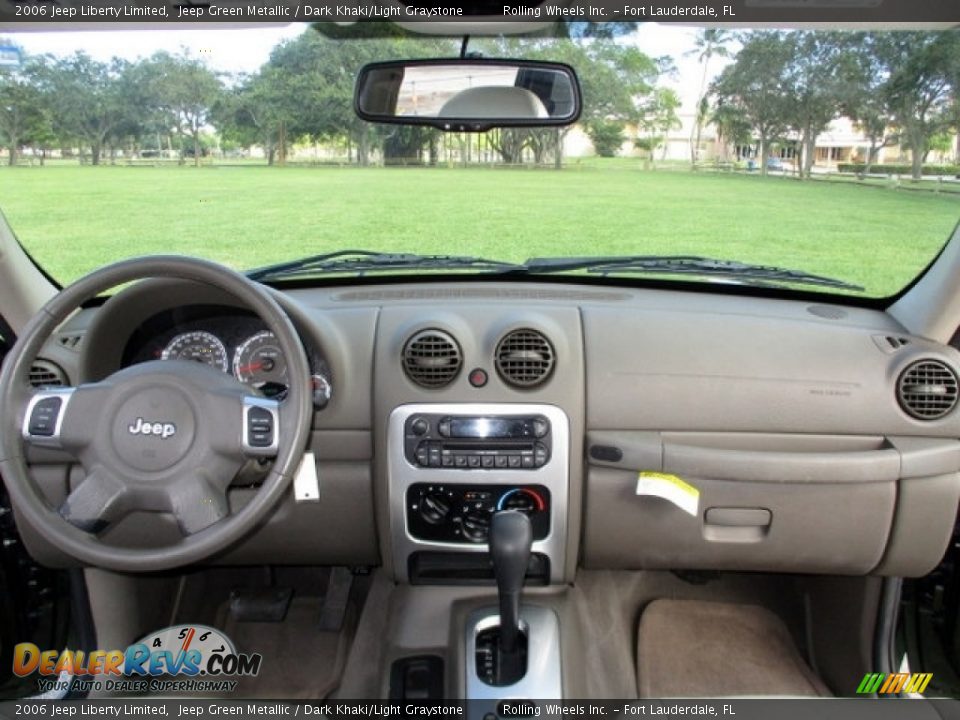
476	525
434	506
525	500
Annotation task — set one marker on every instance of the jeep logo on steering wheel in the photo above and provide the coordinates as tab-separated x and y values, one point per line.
162	430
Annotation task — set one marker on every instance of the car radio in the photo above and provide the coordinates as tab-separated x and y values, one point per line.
477	442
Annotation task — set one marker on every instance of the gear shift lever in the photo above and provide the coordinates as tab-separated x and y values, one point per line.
510	539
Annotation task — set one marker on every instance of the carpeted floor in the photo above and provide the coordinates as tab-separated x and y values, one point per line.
299	660
692	648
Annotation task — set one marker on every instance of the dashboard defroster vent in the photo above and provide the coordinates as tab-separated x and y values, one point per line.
927	389
44	373
524	358
432	358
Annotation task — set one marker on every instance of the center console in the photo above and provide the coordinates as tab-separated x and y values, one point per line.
451	466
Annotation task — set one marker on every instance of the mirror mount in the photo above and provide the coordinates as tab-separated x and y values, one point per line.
468	94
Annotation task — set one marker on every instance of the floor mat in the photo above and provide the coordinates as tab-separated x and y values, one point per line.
299	661
692	648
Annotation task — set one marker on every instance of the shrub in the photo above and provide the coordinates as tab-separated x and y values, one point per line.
904	169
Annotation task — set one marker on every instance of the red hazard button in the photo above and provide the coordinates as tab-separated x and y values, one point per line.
478	377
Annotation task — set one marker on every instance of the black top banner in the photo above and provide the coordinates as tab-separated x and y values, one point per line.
688	11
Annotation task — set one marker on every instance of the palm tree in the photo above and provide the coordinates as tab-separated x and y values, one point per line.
709	43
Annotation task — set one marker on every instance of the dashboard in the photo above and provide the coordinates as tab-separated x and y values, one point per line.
816	438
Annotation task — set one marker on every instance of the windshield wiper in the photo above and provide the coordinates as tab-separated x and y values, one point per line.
362	261
684	265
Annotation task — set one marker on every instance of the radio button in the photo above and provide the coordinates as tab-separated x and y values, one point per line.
460	460
539	455
474	460
446	460
540	427
443	427
501	461
515	461
527	460
487	461
423	457
419	426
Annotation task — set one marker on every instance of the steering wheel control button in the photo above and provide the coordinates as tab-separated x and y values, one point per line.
154	429
260	431
478	377
43	417
260	427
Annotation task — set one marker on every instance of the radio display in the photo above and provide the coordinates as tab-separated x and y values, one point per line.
487	427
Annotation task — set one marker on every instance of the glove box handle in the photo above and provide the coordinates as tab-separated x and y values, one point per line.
736	525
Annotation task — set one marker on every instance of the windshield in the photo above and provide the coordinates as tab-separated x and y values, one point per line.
833	154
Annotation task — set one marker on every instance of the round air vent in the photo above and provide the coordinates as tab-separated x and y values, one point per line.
431	358
927	389
524	358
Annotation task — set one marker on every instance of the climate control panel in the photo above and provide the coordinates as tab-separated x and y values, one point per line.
455	513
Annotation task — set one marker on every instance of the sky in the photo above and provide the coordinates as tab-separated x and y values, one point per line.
244	50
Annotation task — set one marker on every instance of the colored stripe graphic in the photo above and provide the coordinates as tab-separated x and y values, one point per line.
918	682
893	683
870	683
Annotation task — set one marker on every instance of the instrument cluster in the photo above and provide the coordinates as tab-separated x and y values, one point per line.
228	340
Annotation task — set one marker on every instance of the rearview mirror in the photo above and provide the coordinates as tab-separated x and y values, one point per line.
468	94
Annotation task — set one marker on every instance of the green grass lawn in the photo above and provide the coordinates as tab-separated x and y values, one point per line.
74	219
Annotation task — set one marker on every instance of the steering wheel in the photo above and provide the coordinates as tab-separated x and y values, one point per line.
161	436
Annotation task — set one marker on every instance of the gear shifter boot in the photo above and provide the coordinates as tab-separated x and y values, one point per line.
495	667
511	538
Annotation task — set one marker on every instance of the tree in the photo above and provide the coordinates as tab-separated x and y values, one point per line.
921	87
865	101
606	135
88	99
815	83
182	92
658	116
22	116
709	43
754	84
308	84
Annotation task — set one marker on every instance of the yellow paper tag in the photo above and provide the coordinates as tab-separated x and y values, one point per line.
669	487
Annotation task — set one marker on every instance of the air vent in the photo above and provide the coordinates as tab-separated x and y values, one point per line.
45	374
927	390
431	358
524	358
70	340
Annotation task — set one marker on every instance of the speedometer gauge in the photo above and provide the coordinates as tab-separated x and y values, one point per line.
199	346
260	362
